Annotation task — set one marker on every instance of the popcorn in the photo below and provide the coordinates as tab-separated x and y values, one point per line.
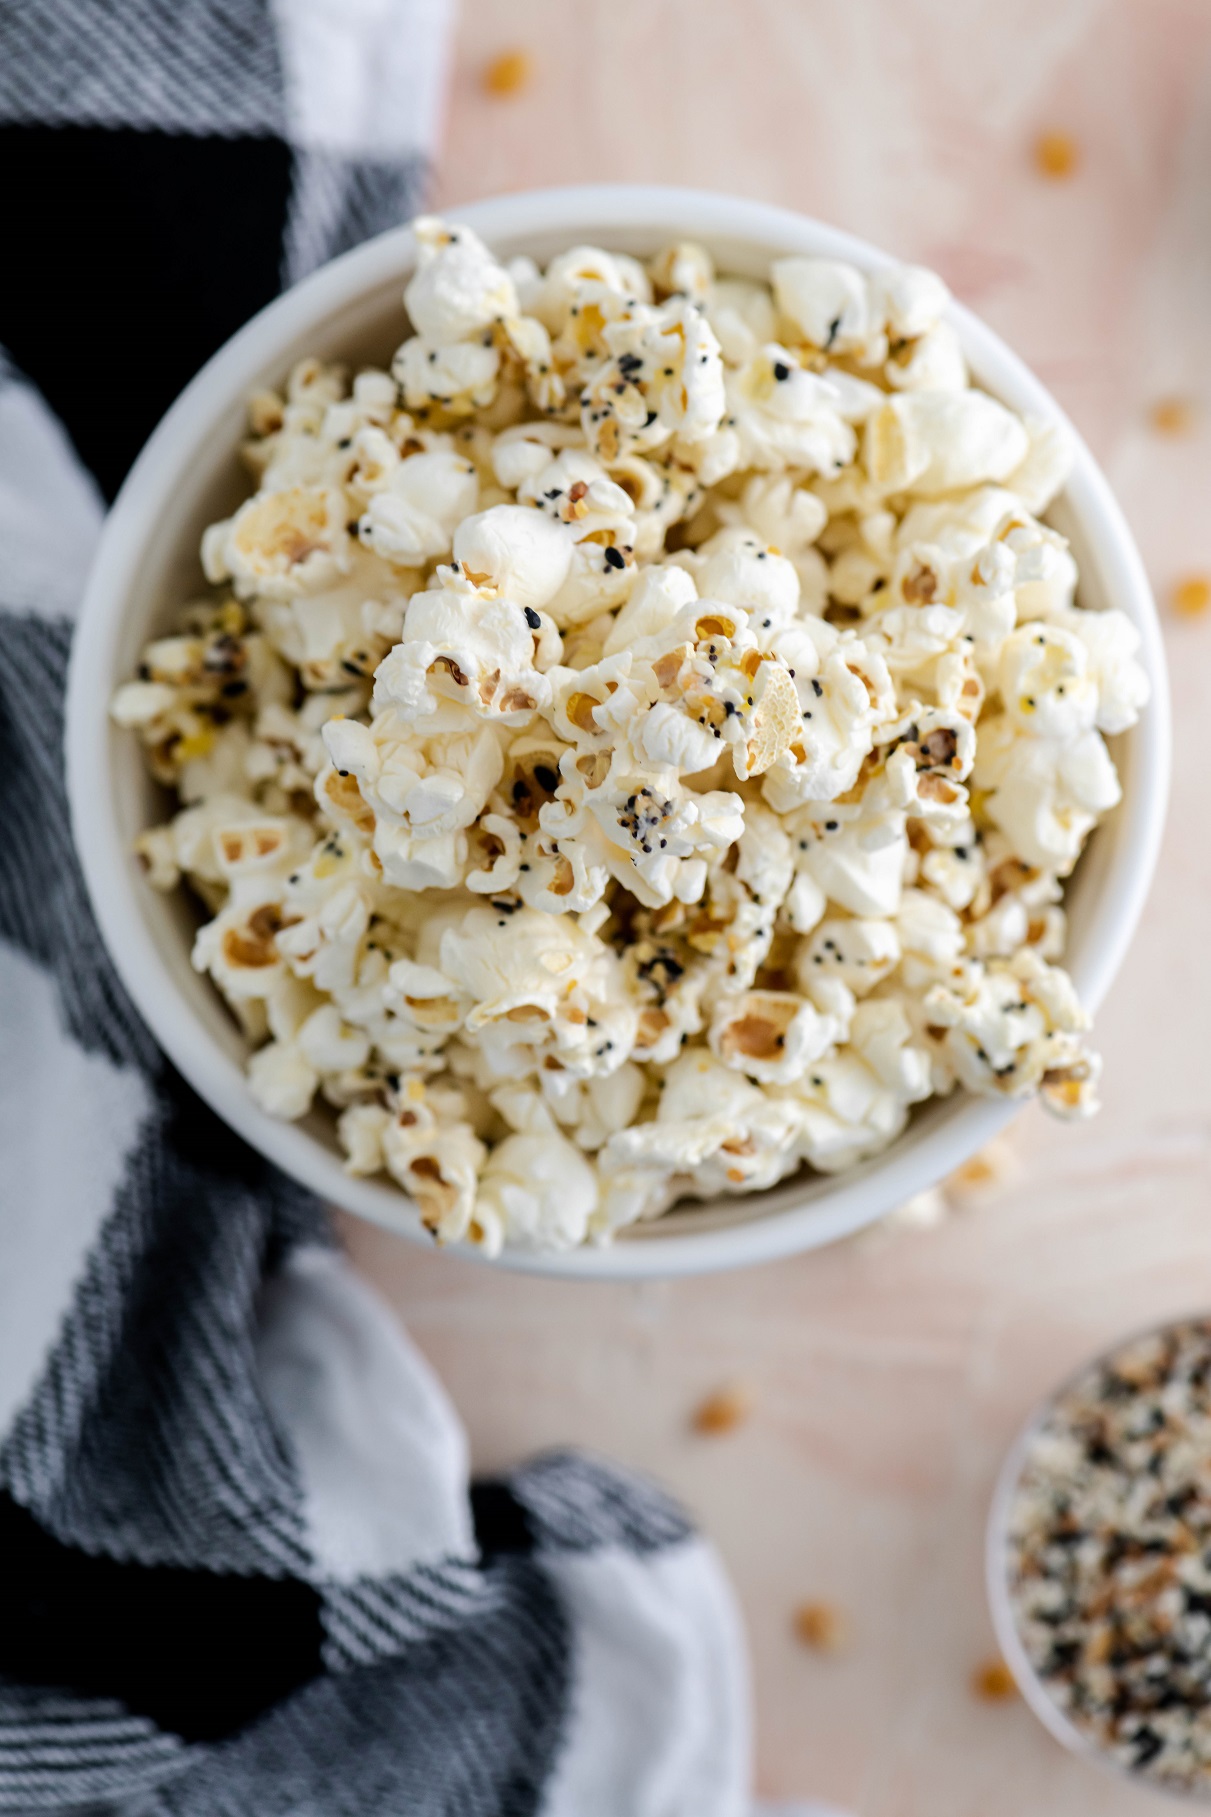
737	567
1007	1025
826	301
663	376
742	316
462	658
414	799
1045	796
937	441
855	1102
714	1131
519	553
786	416
458	288
280	544
772	1036
638	742
537	1191
412	518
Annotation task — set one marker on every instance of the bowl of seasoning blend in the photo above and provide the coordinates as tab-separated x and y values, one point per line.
1099	1560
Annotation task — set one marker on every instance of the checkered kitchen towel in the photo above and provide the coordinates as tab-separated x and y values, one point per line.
242	1570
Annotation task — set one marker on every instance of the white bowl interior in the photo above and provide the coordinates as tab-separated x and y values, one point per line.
189	475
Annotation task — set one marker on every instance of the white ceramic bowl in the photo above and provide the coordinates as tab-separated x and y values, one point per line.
147	564
996	1580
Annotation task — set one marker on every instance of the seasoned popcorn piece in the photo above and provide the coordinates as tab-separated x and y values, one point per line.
771	1036
642	826
575	490
1111	642
662	376
472	339
683	270
844	693
1005	1025
458	288
567	275
932	362
737	567
787	518
437	1164
521	554
827	303
713	1129
1046	465
742	316
239	947
786	416
855	952
462	658
336	636
655	602
854	1102
528	987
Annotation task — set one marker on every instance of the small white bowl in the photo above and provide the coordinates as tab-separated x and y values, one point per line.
147	564
1000	1604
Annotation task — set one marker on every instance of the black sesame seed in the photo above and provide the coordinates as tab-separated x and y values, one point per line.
532	618
781	371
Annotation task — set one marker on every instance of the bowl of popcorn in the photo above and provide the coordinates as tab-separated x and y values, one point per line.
622	732
1099	1560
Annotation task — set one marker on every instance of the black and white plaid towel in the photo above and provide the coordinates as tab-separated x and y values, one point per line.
242	1569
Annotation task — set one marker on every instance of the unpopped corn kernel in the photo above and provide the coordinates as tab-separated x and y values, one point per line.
1173	416
1192	595
993	1681
1056	155
823	1626
724	1410
509	73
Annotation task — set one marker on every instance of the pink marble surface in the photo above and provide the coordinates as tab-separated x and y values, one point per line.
889	1374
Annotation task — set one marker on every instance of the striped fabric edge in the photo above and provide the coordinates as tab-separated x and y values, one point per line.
205	68
578	1503
57	1751
374	1619
185	1466
44	905
337	202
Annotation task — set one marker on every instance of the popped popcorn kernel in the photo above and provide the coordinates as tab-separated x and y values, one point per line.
509	73
1056	155
636	741
822	1626
993	1682
1192	595
724	1410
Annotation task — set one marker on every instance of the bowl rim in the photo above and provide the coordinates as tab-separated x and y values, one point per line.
857	1199
996	1576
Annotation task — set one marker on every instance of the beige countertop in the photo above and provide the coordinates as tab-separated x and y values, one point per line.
888	1374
